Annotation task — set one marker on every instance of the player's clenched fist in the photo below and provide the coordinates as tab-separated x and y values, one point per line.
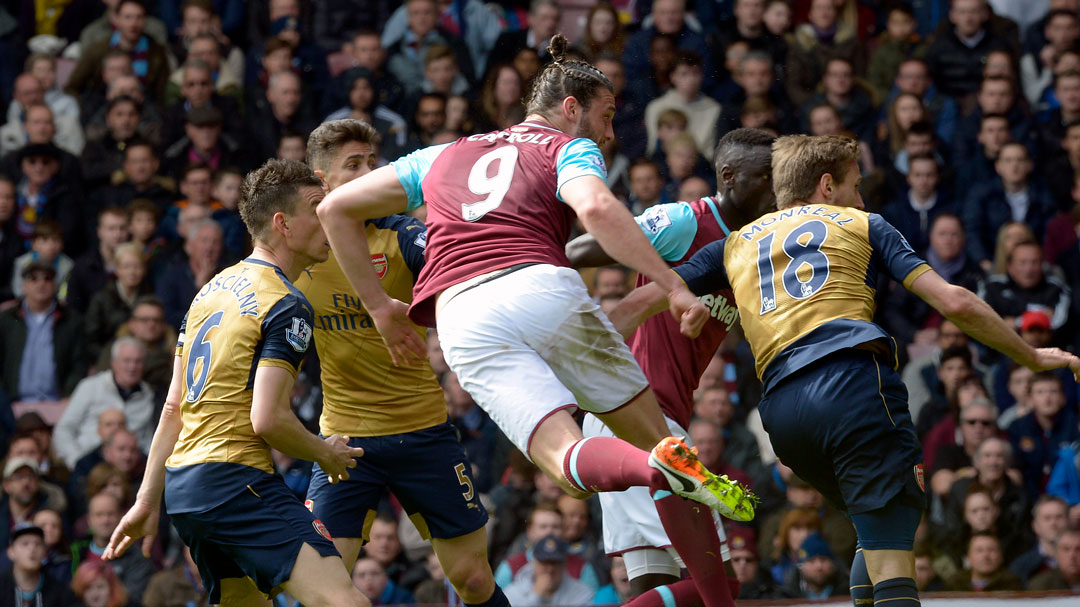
339	458
688	311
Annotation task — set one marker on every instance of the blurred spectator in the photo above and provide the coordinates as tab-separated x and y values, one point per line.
577	531
986	570
543	22
957	53
281	112
149	58
199	23
405	57
702	111
96	585
369	576
120	386
292	146
1066	576
428	120
646	186
695	188
913	214
755	581
794	527
442	74
544	520
708	439
227	73
147	324
1014	194
713	404
111	306
604	33
149	120
1061	233
1061	32
104	155
183	278
618	591
384	547
43	67
913	76
32	370
996	95
756	79
366	51
1025	286
102	28
42	193
471	21
1053	124
138	178
813	45
46	246
28	578
143	225
180	585
817	575
501	98
94	268
840	89
197	91
954	365
926	577
203	143
24	127
363	103
979	166
668	19
548	582
11	245
903	111
57	559
898	42
23	495
1039	435
991	462
954	459
132	569
109	422
1048	521
50	465
1010	234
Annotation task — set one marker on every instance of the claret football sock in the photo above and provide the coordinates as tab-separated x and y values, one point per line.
680	594
692	530
602	463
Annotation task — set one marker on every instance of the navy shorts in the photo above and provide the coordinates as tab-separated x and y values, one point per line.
843	425
257	534
426	470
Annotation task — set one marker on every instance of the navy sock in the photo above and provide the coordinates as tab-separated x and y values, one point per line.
862	589
899	592
497	599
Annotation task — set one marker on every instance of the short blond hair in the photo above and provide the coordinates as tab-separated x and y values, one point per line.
799	161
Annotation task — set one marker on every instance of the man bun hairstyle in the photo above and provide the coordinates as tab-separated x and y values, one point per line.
272	188
564	78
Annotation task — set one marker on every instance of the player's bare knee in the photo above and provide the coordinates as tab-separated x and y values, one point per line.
473	585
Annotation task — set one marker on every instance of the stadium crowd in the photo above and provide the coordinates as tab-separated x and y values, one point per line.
129	125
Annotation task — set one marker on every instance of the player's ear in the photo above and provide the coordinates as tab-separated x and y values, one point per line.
727	175
570	107
826	186
280	223
322	180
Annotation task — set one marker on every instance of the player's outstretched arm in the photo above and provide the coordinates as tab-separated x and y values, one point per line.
585	252
273	420
342	214
611	223
634	309
976	318
142	519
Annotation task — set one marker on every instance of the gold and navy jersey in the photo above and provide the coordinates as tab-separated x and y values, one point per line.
804	281
364	394
246	317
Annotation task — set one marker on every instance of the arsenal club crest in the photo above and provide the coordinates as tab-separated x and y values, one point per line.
379	263
310	505
320	528
919	477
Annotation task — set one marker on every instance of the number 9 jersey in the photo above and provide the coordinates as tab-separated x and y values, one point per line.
804	280
493	202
